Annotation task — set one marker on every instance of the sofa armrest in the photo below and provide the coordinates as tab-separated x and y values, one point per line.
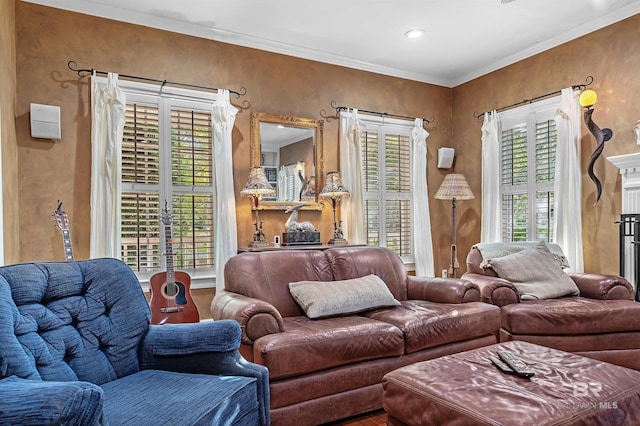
208	347
256	317
50	403
494	290
603	286
442	290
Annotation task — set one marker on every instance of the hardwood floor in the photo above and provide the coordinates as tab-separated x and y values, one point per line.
376	418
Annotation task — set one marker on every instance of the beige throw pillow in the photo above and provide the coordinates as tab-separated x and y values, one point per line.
321	299
535	273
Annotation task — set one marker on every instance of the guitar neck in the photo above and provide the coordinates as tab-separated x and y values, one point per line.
66	241
171	276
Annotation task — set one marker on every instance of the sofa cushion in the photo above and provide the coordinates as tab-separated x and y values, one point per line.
571	315
535	273
176	398
266	275
354	262
490	251
429	324
308	345
321	299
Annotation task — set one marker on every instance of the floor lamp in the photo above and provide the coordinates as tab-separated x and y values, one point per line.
454	187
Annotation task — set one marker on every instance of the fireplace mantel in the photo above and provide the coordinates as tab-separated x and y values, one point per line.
629	165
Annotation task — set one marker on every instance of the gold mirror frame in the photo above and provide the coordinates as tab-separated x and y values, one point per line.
255	152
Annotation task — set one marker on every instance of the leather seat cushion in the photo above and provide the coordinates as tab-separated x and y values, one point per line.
428	324
308	345
571	316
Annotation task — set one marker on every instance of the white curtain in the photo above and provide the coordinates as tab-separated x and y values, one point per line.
353	207
567	220
490	227
226	232
422	241
107	125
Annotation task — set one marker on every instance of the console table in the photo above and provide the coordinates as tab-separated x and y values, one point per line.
296	247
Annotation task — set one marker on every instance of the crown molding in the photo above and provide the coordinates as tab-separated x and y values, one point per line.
240	39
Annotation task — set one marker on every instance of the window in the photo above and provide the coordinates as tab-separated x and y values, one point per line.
386	162
528	150
167	161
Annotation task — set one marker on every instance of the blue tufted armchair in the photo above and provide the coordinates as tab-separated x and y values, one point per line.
76	348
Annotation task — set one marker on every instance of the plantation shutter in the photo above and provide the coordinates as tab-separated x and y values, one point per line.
191	171
527	172
515	184
167	157
398	188
386	161
546	137
140	193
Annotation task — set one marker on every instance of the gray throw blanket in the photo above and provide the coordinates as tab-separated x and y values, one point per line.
494	250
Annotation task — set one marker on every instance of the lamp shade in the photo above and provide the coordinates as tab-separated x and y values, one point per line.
455	186
257	184
333	187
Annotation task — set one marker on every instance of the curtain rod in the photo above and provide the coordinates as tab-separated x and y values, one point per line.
588	80
243	90
384	114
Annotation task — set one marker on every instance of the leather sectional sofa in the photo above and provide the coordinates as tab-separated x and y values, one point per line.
331	367
602	322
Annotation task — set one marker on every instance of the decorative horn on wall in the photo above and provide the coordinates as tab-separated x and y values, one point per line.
587	100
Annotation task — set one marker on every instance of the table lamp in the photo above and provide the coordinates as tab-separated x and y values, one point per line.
454	187
256	187
334	190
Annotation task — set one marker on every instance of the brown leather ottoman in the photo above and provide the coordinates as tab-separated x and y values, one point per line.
467	389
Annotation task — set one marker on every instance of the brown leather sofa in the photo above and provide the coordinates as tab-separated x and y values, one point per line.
322	370
603	322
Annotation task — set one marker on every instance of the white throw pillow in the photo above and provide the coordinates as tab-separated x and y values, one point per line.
321	299
535	273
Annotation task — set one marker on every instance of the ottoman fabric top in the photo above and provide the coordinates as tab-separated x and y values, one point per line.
466	388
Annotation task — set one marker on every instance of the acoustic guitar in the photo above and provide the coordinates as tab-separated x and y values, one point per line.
63	223
171	300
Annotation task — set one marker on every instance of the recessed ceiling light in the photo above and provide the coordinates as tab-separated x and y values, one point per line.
415	33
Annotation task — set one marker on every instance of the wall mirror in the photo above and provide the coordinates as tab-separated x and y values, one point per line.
290	151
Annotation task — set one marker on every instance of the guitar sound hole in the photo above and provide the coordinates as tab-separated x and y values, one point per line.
170	290
175	292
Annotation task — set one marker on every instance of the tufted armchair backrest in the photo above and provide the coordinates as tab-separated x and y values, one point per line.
71	320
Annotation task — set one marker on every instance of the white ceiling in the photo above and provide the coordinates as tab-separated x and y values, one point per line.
463	39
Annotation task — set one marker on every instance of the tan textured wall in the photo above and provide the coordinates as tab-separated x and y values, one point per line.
47	38
611	55
8	135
